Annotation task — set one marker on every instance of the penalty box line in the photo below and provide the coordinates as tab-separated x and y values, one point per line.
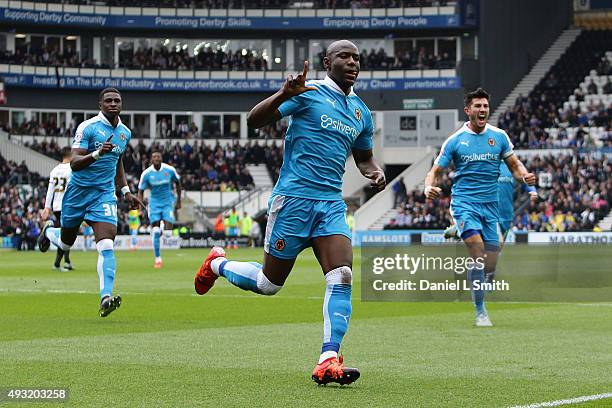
570	401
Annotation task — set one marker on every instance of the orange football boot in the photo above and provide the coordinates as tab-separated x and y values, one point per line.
332	370
205	278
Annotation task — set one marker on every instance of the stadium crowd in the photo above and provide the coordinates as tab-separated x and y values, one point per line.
575	192
201	167
21	199
545	118
46	128
162	57
421	59
263	4
48	56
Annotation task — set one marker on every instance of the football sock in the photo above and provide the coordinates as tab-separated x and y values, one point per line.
336	310
133	240
106	266
58	258
156	241
67	256
245	275
477	275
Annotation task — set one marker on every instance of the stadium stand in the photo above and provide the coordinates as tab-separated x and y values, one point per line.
202	167
21	199
47	56
403	59
572	105
162	57
575	192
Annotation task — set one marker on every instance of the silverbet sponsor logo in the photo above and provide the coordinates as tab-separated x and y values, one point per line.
336	124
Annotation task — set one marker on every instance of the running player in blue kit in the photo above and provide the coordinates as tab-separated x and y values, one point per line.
97	167
477	149
159	177
327	122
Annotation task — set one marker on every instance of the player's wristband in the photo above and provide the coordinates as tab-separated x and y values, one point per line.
125	190
95	155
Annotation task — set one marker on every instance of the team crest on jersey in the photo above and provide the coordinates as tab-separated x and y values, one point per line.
165	173
491	142
462	224
358	114
122	135
279	244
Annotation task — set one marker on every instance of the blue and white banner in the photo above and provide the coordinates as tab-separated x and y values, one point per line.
209	85
382	237
8	15
570	238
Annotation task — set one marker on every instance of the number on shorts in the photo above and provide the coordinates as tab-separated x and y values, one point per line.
110	210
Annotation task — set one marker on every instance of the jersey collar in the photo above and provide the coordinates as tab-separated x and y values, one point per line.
467	129
332	84
106	122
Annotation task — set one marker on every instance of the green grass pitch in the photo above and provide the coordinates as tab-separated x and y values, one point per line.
167	346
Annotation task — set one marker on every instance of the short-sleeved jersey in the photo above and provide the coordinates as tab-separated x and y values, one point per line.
477	157
90	135
324	126
58	181
505	192
160	183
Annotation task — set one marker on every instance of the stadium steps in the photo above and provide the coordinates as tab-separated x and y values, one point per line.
18	153
539	70
187	212
260	174
385	219
606	223
392	213
372	214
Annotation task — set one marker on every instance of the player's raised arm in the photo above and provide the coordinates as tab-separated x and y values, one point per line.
266	111
81	159
519	171
432	191
364	159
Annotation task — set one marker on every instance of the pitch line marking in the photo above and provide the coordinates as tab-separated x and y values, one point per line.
570	401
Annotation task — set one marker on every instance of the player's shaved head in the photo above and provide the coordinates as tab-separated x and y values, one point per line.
336	46
341	62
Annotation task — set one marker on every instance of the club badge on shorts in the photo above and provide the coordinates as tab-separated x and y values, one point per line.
358	114
279	244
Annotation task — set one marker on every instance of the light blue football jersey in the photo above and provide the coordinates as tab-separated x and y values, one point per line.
324	126
477	157
505	192
90	135
160	182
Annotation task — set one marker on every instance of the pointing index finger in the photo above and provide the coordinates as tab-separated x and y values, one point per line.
305	69
109	139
